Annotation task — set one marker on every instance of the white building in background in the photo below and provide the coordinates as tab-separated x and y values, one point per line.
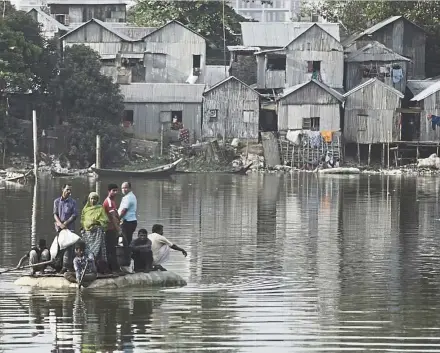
277	11
27	5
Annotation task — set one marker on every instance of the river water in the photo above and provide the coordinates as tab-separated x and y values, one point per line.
296	263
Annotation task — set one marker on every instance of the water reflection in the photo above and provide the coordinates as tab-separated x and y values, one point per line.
294	262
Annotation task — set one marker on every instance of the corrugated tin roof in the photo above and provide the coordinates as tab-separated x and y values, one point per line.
273	51
105	25
279	34
417	86
242	48
228	79
49	18
86	2
375	28
135	33
369	82
431	89
214	74
328	89
162	93
173	21
374	51
132	55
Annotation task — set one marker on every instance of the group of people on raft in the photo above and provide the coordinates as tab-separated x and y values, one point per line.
104	229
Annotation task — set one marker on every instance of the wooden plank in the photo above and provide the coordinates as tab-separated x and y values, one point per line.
270	149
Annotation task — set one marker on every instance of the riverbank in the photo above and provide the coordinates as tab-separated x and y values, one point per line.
207	157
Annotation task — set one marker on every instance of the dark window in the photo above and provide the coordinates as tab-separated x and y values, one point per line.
176	120
61	19
311	123
313	66
276	63
127	118
121	20
196	65
196	61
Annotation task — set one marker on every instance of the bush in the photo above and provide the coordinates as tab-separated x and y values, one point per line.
82	141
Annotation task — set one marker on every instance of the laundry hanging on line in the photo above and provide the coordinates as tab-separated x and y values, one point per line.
435	120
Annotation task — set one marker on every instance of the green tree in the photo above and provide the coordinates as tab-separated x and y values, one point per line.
202	16
359	15
90	103
80	89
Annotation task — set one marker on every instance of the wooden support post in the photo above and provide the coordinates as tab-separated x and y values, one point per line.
98	151
383	155
369	154
161	138
388	157
359	153
437	149
417	152
35	139
293	156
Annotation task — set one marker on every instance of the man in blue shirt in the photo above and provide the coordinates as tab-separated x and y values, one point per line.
65	212
127	212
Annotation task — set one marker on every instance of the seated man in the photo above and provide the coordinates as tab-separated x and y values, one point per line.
160	246
37	254
141	252
82	262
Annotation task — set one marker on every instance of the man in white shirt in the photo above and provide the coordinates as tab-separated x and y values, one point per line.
160	246
127	212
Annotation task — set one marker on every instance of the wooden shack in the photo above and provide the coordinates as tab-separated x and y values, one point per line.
310	106
108	40
375	60
174	53
371	115
231	109
313	54
71	12
402	36
50	27
149	105
428	100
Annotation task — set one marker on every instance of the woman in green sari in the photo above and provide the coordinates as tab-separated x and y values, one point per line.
94	223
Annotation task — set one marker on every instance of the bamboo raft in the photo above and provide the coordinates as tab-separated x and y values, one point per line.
140	279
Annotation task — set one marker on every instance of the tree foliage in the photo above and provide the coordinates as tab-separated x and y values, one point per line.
69	89
80	89
359	15
202	16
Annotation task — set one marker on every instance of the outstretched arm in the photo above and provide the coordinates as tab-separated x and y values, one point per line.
176	247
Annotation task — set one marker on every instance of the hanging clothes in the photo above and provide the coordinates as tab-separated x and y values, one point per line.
314	138
327	135
294	136
435	121
397	75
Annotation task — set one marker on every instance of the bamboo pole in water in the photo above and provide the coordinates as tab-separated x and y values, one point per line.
34	214
35	140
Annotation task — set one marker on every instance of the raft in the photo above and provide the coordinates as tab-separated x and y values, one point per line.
140	279
340	170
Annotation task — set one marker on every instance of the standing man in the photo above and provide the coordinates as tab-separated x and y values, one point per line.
65	212
127	212
113	229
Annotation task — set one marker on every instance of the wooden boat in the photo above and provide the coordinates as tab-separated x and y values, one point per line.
157	172
21	177
140	279
243	170
56	174
340	170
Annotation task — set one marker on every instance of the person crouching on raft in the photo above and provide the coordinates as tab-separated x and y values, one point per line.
160	246
82	261
37	254
141	252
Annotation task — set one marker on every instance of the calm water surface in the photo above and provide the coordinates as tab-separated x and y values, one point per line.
293	263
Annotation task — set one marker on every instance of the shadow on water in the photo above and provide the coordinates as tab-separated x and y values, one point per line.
295	262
